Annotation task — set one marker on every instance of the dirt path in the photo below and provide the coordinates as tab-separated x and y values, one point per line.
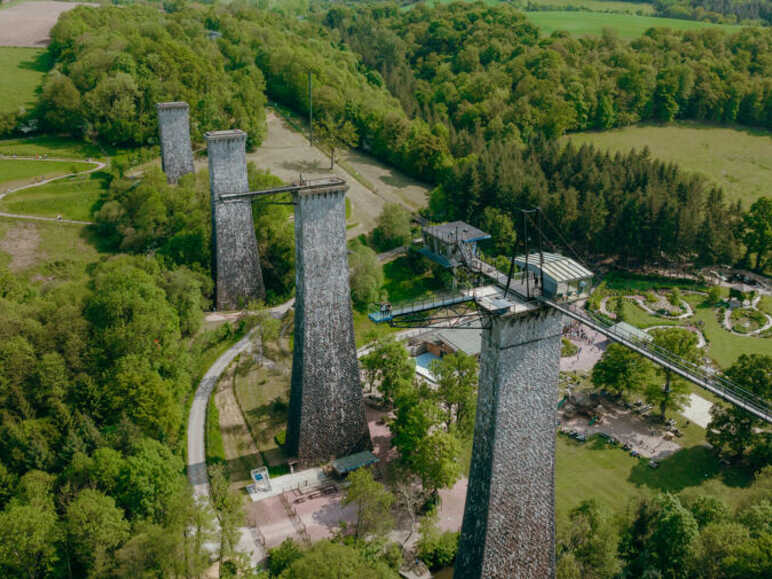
287	154
29	23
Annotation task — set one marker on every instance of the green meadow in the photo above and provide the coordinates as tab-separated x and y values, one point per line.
736	158
627	26
21	71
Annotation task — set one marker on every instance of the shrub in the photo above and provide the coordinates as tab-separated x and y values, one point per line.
438	550
281	437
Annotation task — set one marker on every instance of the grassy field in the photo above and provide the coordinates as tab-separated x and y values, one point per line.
740	160
594	5
57	147
724	347
47	252
21	71
581	23
24	170
614	478
263	395
72	198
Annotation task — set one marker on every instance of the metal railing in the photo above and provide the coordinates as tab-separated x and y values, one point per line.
386	312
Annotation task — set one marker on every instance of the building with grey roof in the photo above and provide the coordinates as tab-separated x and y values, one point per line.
563	276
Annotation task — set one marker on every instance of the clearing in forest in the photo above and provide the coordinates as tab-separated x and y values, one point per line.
21	71
737	159
581	23
47	252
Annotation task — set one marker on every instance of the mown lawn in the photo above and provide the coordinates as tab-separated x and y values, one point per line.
737	159
627	26
21	71
72	198
614	478
22	170
724	347
58	147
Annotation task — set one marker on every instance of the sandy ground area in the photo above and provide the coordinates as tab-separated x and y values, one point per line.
29	24
591	347
698	410
21	243
626	427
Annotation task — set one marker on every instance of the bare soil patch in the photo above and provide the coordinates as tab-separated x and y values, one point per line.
30	23
22	243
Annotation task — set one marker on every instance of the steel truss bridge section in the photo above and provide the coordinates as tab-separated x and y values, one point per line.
714	383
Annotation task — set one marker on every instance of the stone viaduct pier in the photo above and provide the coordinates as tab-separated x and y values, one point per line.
327	413
235	258
508	529
176	150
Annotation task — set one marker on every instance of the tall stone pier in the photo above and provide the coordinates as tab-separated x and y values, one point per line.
327	413
176	150
508	530
235	259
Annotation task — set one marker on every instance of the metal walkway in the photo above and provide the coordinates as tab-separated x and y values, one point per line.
432	303
712	382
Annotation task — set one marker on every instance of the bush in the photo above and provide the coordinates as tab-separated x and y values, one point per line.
438	550
281	437
567	348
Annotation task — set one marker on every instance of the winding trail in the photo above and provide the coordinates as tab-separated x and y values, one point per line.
98	165
197	475
729	327
701	341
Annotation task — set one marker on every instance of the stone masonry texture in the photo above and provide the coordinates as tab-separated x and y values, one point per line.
327	413
509	517
236	261
176	150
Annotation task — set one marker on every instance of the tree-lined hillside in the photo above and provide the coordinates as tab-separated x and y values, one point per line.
112	65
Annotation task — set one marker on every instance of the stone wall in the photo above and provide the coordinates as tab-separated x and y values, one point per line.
176	150
235	258
509	518
327	414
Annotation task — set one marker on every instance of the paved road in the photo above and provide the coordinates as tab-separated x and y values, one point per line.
197	474
97	166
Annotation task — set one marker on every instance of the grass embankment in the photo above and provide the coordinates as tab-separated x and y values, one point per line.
72	198
614	478
263	396
737	159
22	71
627	26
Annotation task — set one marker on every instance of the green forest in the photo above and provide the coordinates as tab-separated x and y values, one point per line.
97	371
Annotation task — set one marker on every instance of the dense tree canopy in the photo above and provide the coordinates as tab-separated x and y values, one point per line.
115	63
92	383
